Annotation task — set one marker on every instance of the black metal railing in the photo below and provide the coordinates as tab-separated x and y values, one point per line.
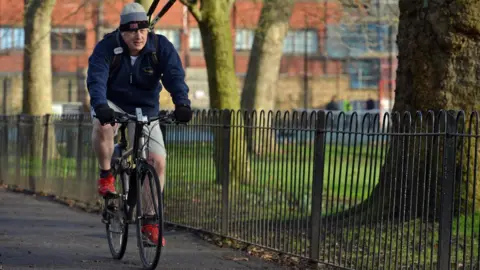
363	191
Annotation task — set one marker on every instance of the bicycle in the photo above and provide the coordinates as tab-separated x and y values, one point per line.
125	207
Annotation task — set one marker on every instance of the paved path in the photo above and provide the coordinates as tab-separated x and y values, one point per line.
39	234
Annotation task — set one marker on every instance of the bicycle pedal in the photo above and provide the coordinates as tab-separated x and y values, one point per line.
111	196
148	244
112	208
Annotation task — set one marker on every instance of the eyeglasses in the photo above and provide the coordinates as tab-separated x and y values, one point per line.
142	31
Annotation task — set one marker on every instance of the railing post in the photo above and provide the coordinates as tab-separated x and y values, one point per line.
35	123
45	151
80	148
6	86
5	169
446	188
19	149
225	156
317	185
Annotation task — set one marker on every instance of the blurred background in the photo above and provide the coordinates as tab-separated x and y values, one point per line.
335	52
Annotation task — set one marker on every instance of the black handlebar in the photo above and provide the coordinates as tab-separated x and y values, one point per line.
124	118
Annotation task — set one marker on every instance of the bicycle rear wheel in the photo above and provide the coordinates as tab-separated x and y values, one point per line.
117	226
149	215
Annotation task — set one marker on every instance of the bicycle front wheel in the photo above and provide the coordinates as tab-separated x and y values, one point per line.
149	215
117	226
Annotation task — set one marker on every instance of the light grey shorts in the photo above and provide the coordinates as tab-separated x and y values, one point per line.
155	142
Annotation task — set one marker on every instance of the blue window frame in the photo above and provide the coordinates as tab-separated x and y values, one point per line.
62	38
356	40
67	39
12	38
244	39
195	39
363	73
295	41
173	35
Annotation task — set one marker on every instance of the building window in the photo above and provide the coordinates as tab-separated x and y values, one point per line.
244	39
295	42
359	39
195	39
12	38
390	38
363	73
173	35
67	39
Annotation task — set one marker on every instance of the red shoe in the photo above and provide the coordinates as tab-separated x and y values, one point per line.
106	185
151	231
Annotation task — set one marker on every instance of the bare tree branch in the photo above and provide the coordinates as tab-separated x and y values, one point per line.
48	34
193	8
357	28
230	4
81	6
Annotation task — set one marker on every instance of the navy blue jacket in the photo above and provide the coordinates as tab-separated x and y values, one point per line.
138	85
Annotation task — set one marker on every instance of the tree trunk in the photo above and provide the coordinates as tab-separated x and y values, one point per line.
83	95
15	101
267	51
438	70
442	71
218	52
263	67
37	76
99	27
213	18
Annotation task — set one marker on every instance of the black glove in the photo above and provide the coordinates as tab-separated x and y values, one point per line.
105	114
182	113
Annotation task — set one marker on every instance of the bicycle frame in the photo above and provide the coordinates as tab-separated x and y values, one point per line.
139	156
138	139
121	162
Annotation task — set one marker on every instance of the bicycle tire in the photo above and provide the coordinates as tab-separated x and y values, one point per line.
124	236
142	171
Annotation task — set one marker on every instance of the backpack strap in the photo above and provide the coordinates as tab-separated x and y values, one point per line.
154	54
117	55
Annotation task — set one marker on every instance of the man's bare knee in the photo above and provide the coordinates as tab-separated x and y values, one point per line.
103	133
158	162
102	137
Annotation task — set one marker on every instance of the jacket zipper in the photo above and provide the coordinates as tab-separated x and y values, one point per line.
131	70
132	67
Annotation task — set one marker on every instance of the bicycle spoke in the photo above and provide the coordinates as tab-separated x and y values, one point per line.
117	227
150	224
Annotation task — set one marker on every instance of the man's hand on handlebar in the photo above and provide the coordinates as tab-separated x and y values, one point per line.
105	114
183	113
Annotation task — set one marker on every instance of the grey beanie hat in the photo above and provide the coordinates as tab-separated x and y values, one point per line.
133	12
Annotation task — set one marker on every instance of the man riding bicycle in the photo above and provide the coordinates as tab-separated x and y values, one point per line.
124	73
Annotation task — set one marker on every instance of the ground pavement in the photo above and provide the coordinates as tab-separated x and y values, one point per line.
36	233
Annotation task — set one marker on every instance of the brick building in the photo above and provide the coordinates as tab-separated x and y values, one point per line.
343	51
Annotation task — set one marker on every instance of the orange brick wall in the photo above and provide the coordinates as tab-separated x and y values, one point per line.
77	13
